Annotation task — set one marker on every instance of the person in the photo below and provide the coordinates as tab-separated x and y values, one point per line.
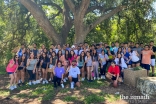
88	61
58	75
127	57
81	63
116	47
146	58
135	59
35	50
103	60
11	69
21	70
52	64
119	60
95	58
20	51
153	48
31	68
74	74
110	54
113	73
44	66
72	57
38	69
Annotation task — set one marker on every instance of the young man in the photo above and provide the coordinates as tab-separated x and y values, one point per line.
74	74
138	49
113	73
34	50
110	54
146	58
153	48
116	47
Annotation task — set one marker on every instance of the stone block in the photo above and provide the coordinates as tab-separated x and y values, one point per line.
147	85
131	76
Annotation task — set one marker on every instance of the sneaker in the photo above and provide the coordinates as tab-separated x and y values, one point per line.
43	82
15	86
41	79
38	81
72	85
82	79
94	78
30	83
98	78
11	88
64	80
46	82
49	79
101	76
62	85
104	77
19	81
34	82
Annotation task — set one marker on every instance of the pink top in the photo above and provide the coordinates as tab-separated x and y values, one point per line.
73	58
13	68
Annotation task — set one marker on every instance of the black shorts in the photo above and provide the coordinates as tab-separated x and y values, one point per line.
146	66
113	78
80	67
137	62
20	68
44	66
75	80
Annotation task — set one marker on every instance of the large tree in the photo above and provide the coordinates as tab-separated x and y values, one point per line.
75	14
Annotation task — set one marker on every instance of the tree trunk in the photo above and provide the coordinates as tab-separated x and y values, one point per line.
42	20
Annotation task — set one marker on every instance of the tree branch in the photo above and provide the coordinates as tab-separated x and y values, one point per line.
41	18
103	17
71	5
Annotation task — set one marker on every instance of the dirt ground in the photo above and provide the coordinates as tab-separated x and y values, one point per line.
121	90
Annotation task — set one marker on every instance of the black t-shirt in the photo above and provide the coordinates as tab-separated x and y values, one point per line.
154	50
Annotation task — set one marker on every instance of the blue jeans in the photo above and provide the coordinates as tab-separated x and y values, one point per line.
32	76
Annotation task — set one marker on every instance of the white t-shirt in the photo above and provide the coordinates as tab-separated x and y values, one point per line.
134	56
76	51
123	64
103	58
73	72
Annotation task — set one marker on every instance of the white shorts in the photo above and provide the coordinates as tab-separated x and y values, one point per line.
51	66
152	62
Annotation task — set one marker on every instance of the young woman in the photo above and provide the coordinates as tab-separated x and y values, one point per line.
72	57
58	74
31	68
119	51
27	53
38	69
95	59
52	64
11	70
88	61
81	62
103	57
135	59
21	70
44	66
121	63
127	58
50	53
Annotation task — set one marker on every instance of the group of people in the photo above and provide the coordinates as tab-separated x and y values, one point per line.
78	62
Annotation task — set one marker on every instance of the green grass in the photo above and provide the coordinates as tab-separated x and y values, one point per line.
4	93
70	98
93	98
94	84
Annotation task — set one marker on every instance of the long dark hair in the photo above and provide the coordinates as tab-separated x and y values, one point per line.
119	52
82	57
21	60
120	58
15	59
58	54
70	53
67	56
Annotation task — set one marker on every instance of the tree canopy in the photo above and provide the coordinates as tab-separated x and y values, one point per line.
74	21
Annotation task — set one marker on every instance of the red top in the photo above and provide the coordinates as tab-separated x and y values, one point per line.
114	70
